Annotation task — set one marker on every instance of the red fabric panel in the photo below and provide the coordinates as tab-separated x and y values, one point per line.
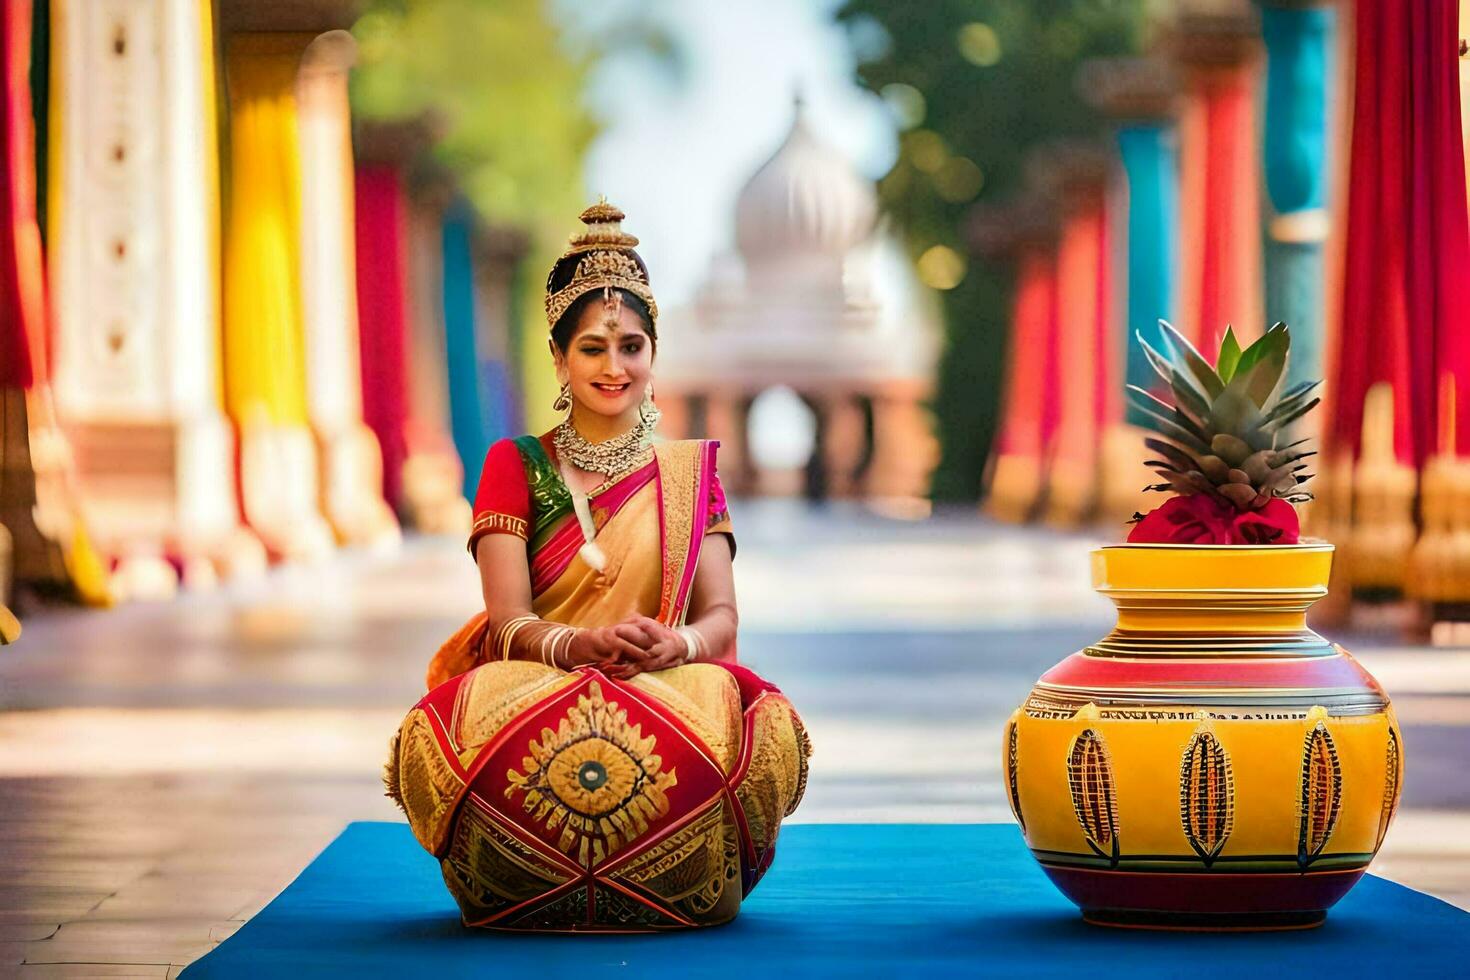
383	316
1048	338
503	488
1439	264
1231	222
1404	316
751	684
22	284
1020	432
1107	389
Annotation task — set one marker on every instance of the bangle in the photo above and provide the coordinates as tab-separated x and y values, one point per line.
507	632
693	643
565	639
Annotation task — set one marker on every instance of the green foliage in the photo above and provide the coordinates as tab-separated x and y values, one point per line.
495	77
507	90
975	85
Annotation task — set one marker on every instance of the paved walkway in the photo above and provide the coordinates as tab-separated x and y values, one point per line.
165	770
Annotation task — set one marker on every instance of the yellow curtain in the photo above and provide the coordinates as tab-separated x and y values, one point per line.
265	366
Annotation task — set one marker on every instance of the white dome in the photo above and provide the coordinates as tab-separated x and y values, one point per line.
805	199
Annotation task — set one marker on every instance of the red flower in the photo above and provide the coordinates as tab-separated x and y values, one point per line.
1201	519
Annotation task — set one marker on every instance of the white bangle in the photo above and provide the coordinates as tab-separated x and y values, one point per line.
692	643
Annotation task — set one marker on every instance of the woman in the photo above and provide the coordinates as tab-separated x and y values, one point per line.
567	525
589	756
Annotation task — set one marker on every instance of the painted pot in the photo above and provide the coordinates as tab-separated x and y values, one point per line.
1212	763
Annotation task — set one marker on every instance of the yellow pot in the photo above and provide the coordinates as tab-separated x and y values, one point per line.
1212	763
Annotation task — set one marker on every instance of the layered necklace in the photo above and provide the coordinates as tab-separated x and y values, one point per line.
613	456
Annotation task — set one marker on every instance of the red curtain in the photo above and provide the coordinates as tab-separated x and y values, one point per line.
383	315
1220	217
1107	390
1023	428
22	283
1078	361
1439	266
1406	282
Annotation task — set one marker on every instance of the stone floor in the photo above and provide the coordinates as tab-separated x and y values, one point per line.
166	769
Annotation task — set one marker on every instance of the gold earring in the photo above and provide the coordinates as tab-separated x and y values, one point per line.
647	411
563	399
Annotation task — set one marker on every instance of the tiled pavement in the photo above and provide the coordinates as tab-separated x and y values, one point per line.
165	770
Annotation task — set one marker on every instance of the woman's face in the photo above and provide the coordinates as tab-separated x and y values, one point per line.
609	360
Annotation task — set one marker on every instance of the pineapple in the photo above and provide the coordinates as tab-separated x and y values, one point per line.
1221	432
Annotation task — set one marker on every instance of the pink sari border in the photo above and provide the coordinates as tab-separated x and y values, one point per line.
703	489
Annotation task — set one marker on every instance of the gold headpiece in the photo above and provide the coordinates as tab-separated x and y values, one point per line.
609	262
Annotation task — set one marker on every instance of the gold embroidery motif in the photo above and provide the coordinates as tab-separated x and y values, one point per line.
491	869
492	523
427	784
678	468
596	778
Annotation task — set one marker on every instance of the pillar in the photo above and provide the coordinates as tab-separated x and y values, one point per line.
350	462
499	253
1017	466
1138	94
265	353
469	418
433	475
49	546
1086	365
134	215
1299	75
1218	56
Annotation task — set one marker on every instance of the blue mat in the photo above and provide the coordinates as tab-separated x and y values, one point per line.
845	900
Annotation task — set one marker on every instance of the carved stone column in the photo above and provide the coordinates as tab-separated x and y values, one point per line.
351	464
728	420
846	448
134	264
905	450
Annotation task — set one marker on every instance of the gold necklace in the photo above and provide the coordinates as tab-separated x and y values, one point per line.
612	456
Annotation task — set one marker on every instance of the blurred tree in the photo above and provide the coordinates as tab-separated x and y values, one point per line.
974	85
507	88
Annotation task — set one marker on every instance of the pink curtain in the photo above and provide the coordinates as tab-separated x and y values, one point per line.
1406	276
383	315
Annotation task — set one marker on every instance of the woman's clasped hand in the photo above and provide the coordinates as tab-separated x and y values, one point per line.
637	645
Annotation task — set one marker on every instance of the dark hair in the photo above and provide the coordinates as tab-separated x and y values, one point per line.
566	324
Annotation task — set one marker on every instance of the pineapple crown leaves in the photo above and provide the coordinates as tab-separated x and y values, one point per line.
1222	429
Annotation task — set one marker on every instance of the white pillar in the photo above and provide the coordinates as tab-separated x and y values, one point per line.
135	259
351	464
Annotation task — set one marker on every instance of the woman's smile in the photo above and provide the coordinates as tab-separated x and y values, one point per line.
611	390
